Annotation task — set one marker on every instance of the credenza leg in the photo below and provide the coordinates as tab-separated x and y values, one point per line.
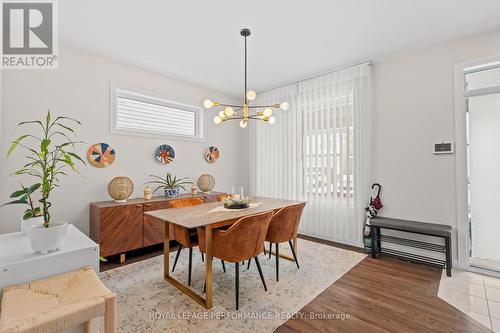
122	258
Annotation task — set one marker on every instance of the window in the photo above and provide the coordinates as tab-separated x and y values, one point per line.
482	78
138	114
329	150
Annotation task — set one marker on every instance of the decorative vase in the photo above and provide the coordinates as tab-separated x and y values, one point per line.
194	189
206	183
27	224
43	239
171	192
120	188
147	193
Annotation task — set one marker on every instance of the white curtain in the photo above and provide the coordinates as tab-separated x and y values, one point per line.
318	151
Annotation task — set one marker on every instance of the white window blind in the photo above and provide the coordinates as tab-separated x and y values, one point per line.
483	79
143	115
318	151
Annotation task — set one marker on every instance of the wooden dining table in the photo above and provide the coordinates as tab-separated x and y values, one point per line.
209	216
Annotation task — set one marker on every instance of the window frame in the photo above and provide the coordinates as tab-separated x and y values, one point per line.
121	91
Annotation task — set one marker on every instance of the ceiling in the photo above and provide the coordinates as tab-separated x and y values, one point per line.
199	41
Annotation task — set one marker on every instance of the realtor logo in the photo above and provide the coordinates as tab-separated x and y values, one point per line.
29	35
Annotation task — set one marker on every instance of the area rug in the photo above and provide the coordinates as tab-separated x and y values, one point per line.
146	303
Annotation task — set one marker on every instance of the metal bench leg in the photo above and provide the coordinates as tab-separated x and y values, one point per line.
447	244
375	241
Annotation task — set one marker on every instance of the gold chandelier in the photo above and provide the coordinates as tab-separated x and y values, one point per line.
245	112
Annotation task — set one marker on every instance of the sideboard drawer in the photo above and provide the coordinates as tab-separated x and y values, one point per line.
120	229
154	229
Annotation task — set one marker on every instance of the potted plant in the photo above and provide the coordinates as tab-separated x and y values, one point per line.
32	215
48	156
170	184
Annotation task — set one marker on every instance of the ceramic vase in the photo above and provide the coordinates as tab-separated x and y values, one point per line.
171	192
44	240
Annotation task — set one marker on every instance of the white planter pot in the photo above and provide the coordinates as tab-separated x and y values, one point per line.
48	239
27	224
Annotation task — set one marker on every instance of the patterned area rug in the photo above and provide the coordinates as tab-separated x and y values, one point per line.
146	303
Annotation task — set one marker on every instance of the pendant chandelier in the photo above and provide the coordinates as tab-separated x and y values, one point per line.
245	112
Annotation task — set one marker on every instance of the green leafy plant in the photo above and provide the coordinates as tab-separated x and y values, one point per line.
24	197
49	155
170	182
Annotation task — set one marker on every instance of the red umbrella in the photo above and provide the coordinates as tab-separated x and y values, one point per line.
376	202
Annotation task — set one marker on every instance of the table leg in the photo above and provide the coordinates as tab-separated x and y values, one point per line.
205	302
208	267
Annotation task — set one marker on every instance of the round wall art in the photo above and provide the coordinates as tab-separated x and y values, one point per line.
165	154
212	154
100	155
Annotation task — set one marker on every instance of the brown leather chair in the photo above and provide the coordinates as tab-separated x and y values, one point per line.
242	241
184	236
283	228
221	197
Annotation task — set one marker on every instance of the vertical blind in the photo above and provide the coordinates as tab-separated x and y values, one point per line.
318	151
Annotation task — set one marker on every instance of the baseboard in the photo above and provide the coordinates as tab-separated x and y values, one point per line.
331	243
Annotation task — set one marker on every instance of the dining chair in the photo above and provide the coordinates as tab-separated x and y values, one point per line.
242	241
184	236
283	228
221	197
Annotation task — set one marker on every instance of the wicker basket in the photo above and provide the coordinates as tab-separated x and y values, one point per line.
120	188
206	183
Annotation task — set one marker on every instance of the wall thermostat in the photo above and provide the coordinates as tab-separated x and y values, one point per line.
444	148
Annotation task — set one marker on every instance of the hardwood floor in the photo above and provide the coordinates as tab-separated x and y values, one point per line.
379	295
384	295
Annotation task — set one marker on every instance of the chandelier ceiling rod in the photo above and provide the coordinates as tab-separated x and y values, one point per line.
245	33
246	111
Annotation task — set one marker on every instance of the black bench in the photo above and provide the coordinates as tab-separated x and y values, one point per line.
422	228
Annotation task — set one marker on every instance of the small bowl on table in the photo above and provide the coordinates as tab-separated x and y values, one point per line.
236	203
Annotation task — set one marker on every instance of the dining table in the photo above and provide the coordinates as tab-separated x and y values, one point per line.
210	216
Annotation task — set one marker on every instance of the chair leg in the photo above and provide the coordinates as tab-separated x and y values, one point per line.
270	248
202	257
190	265
248	265
237	279
223	266
293	252
277	261
177	257
260	273
110	315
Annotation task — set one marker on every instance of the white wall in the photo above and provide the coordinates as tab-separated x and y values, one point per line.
413	108
80	88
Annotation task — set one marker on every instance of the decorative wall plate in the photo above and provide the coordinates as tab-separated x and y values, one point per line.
212	154
101	155
165	154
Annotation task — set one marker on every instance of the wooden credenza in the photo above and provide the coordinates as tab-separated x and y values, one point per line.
119	227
